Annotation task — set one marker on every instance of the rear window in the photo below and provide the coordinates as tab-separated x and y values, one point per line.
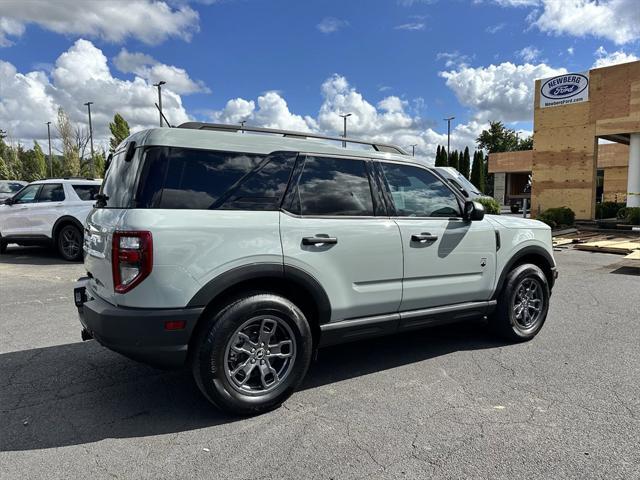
51	192
120	180
86	192
10	187
179	178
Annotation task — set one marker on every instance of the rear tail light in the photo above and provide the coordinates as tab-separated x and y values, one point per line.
131	259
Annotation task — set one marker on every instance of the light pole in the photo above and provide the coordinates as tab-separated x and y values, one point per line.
344	117
159	85
413	149
50	156
242	125
88	104
448	135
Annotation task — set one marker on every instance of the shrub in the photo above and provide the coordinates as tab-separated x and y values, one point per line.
608	209
491	205
629	215
557	217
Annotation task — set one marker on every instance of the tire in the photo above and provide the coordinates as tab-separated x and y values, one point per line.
235	370
513	321
3	246
69	242
515	208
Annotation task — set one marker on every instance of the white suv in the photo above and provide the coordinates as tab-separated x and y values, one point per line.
49	212
239	251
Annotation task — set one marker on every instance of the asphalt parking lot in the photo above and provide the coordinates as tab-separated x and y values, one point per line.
450	402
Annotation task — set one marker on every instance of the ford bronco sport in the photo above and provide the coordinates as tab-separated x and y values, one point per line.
239	251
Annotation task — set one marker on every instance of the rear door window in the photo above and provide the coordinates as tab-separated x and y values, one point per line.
333	187
86	192
120	180
51	192
179	178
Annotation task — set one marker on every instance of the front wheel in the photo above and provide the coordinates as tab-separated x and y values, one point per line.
252	354
523	304
69	242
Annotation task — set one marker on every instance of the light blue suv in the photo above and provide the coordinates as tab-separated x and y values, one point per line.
239	251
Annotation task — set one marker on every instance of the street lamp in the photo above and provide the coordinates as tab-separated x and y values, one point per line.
88	105
242	122
413	149
344	117
50	156
448	120
159	85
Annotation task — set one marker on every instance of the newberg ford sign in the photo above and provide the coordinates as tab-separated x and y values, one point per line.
564	89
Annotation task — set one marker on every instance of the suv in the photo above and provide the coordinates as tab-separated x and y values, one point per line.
238	254
49	212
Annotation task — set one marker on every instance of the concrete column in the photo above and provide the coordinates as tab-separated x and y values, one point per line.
633	177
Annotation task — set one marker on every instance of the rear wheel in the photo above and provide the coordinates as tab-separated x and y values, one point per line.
3	246
523	304
515	208
252	354
69	242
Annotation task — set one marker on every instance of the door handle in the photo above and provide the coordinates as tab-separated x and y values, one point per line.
423	237
317	240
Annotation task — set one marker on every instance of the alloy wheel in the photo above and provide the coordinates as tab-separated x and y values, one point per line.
260	354
528	303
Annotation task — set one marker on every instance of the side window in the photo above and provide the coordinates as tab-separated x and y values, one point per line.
330	186
418	193
51	192
86	192
180	178
27	194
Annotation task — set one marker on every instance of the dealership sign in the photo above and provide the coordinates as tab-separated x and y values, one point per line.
564	89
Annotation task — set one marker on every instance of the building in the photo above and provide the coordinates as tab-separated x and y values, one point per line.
586	143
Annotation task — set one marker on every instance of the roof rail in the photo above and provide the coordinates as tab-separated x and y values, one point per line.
377	146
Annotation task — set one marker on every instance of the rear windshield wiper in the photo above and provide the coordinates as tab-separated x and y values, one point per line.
101	200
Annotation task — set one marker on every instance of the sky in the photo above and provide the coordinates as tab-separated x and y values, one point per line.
399	66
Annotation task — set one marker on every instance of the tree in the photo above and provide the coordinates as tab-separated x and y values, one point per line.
34	166
499	138
454	160
70	150
477	170
119	131
465	163
441	157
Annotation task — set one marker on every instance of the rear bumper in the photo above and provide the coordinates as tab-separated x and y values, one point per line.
137	333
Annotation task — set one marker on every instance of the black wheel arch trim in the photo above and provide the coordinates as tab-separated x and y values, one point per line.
526	251
65	219
256	271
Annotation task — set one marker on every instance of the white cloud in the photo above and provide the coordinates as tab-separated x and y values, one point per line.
514	3
570	50
150	21
388	121
498	92
453	59
411	26
153	71
81	74
605	59
493	29
331	24
529	54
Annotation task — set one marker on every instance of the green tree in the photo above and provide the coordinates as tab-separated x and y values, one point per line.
441	158
465	163
497	138
34	166
454	160
477	170
119	131
526	144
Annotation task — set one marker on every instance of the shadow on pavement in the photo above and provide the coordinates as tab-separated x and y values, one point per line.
81	393
18	255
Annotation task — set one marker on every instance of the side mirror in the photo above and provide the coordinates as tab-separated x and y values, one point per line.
9	201
473	211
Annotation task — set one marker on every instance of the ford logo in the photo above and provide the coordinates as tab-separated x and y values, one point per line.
564	86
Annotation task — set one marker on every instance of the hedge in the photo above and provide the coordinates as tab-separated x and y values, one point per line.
629	215
557	217
491	205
